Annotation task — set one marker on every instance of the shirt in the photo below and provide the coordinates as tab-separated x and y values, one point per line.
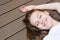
54	33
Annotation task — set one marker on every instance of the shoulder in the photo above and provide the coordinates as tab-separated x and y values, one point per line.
53	34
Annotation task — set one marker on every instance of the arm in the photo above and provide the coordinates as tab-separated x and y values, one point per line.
49	6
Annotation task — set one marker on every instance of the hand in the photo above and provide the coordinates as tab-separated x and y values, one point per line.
26	8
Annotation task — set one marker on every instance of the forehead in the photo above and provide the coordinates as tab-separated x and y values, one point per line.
34	16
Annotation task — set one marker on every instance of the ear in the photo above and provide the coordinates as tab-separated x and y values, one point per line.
46	12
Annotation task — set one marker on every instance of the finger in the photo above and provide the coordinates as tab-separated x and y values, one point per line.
22	8
26	8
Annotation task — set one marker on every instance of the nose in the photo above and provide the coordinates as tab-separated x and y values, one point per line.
42	21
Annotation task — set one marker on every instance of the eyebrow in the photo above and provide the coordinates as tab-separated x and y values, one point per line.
36	22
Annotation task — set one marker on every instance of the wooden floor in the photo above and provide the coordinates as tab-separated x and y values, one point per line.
11	24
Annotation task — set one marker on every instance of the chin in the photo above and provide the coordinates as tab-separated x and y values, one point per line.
49	26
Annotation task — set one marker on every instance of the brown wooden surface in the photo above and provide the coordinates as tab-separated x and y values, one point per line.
11	21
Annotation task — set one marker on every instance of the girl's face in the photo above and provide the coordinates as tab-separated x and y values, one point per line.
41	19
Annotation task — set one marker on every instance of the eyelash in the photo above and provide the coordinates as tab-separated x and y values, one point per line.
37	23
39	16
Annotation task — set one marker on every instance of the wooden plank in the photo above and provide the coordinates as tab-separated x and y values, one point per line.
11	5
38	2
3	2
10	16
19	36
11	28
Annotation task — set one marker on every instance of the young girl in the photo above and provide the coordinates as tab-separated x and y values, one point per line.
42	19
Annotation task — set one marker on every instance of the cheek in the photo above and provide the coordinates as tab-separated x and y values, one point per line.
49	23
40	26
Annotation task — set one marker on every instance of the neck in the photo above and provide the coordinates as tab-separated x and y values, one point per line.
54	23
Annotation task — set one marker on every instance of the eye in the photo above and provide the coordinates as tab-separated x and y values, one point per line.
37	23
40	16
